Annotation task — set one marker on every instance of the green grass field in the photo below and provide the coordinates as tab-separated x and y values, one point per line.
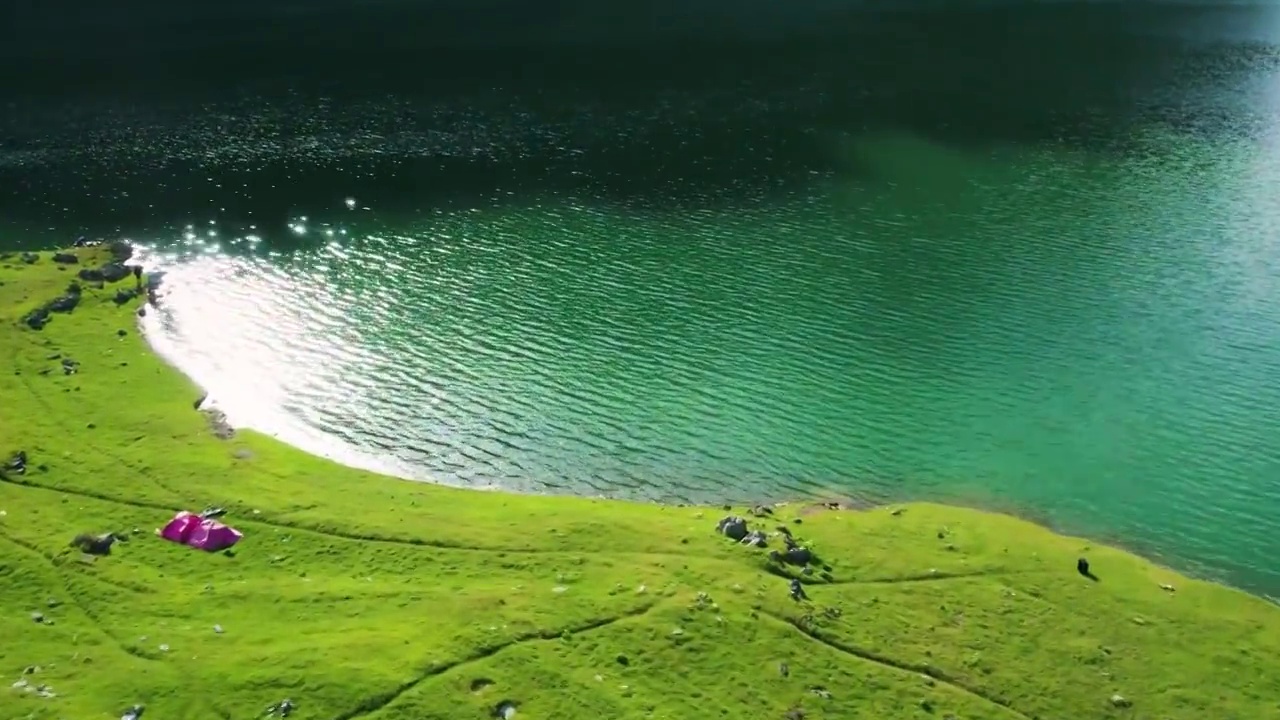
360	596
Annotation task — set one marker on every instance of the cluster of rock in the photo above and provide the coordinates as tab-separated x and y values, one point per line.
112	271
793	553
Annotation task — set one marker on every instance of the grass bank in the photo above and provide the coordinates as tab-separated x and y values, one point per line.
359	596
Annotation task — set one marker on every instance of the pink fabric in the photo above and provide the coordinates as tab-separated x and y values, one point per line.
180	527
190	529
213	536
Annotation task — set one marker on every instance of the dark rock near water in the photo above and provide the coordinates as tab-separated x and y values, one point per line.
90	275
732	527
65	258
115	272
755	538
199	401
121	251
124	296
30	258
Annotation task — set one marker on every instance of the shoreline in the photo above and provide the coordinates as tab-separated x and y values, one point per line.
564	606
122	251
300	437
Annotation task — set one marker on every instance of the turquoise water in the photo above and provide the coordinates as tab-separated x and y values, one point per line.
1034	267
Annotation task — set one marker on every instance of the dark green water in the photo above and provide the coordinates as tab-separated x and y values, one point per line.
1022	256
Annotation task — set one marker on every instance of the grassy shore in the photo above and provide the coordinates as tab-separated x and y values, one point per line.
360	596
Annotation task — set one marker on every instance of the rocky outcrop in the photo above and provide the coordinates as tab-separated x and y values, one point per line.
38	318
732	527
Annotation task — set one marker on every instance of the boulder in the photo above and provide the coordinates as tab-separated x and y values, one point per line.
36	319
121	251
115	272
732	527
64	304
755	538
29	258
123	296
65	258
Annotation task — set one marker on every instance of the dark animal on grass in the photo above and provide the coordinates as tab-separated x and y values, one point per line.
94	544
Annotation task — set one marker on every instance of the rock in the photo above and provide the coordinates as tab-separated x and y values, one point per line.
123	296
142	312
1121	701
623	660
1168	588
505	710
37	617
121	333
18	463
90	275
797	590
926	705
820	692
65	258
121	251
795	713
133	713
896	512
36	319
761	510
30	258
784	670
755	538
481	683
217	629
218	423
115	272
794	556
64	304
732	527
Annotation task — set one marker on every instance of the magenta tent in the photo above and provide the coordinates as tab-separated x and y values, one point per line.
190	529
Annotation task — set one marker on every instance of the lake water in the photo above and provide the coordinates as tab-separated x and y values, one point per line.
1021	256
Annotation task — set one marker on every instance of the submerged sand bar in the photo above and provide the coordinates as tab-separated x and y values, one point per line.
354	595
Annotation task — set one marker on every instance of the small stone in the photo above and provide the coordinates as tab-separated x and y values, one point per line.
164	648
623	660
1168	588
1121	701
37	617
122	333
217	629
